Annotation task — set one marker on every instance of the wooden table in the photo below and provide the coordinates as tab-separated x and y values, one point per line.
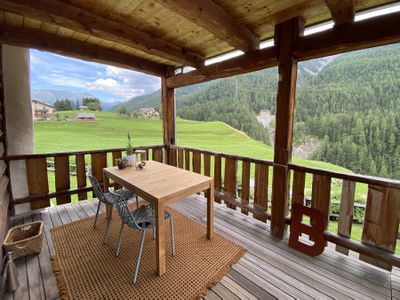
161	185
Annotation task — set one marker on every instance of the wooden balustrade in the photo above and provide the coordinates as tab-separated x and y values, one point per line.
241	183
245	183
65	185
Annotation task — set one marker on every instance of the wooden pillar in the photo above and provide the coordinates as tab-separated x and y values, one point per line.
5	191
168	112
286	35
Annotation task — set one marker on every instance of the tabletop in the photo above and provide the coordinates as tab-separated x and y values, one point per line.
158	181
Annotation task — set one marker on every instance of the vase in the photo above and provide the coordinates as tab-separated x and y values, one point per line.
131	160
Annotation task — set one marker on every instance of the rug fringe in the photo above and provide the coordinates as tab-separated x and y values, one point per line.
61	282
217	278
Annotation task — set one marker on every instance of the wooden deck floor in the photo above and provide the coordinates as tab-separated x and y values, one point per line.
269	269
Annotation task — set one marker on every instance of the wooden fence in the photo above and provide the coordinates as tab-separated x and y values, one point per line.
381	216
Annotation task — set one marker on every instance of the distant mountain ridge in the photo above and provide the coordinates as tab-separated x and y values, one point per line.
51	96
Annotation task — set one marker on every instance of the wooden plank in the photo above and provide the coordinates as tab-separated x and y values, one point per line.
286	36
321	195
36	173
381	221
364	34
342	11
261	190
99	162
245	185
230	180
196	157
210	16
86	22
180	159
172	157
248	62
157	155
299	181
31	38
346	213
187	160
217	176
168	111
61	169
207	164
81	174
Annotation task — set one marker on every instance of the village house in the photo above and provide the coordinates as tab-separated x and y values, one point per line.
148	111
42	110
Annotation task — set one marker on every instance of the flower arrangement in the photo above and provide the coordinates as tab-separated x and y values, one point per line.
121	163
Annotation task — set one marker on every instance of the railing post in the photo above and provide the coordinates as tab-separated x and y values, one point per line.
168	112
286	35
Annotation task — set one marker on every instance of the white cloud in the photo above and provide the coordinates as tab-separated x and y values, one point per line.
114	87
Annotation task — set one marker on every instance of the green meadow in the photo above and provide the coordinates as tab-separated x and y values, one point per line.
110	131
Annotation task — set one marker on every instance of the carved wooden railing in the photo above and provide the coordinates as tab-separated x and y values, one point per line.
37	173
233	175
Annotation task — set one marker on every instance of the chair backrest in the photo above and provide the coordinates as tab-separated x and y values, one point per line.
97	189
123	210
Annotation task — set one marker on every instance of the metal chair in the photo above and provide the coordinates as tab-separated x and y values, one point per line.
141	219
108	198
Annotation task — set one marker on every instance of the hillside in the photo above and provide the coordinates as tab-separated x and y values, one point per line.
348	102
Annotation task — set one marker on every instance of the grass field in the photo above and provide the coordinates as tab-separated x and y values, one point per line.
110	131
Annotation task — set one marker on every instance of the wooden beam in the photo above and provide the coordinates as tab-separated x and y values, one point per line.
248	62
342	11
210	16
168	111
29	38
369	33
83	21
286	35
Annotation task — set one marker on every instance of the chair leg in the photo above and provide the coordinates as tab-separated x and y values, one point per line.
119	240
97	215
137	202
134	278
108	226
172	236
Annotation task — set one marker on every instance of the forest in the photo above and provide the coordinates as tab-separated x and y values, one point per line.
349	102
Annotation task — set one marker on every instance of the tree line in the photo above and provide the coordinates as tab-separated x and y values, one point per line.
92	104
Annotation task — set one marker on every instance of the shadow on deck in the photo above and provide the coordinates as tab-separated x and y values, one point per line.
269	269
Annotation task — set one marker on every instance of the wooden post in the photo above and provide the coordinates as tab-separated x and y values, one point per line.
168	112
286	35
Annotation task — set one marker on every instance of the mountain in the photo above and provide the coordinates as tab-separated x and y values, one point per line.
50	96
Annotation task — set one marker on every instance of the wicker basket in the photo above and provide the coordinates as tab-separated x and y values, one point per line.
24	239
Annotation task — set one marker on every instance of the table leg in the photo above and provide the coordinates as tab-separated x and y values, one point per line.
210	212
160	239
106	186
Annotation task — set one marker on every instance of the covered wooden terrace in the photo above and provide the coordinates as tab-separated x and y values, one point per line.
166	37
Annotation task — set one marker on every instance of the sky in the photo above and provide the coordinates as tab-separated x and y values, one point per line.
110	84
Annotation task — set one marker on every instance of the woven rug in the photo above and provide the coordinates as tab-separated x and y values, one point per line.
86	269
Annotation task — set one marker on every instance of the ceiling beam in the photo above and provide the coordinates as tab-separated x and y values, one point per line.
83	21
368	33
29	38
342	11
211	17
249	62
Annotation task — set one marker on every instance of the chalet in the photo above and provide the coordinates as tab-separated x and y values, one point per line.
254	255
85	117
42	110
148	111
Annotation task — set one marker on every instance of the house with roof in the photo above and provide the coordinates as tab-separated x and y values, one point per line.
148	111
42	110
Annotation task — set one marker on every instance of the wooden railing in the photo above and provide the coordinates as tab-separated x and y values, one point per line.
242	183
246	183
37	173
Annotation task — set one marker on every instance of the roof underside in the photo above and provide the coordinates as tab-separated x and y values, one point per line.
158	31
